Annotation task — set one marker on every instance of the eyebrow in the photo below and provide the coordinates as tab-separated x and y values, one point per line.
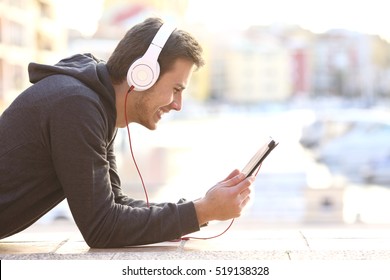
181	86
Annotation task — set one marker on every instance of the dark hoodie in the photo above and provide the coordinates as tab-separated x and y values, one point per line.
56	142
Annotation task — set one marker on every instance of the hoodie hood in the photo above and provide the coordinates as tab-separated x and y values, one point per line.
89	70
84	67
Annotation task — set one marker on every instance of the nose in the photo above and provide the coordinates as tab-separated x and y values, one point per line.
177	102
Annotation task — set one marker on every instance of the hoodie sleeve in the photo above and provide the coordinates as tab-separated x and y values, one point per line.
106	218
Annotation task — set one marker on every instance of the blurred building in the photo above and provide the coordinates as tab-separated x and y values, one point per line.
263	64
277	63
351	65
257	72
29	31
340	63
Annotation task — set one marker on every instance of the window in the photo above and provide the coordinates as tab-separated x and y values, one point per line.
44	42
45	10
1	81
16	34
1	29
17	3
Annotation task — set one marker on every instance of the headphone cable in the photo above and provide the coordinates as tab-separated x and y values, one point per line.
131	150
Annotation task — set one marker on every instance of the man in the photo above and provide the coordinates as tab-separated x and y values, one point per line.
57	142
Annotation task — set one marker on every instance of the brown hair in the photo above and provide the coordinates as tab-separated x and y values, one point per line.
136	41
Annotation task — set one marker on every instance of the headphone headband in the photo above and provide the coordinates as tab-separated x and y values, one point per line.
163	34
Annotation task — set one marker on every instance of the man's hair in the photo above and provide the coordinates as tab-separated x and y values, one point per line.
137	40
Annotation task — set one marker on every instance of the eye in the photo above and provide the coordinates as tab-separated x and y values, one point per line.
176	90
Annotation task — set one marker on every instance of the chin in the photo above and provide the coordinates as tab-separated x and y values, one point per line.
151	126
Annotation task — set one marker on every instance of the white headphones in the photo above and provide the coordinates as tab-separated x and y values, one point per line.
144	72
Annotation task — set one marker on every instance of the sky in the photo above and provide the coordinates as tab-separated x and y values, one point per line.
366	16
82	15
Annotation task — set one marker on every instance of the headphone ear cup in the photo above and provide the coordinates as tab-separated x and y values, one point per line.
143	74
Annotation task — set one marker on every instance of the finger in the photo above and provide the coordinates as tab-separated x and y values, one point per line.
243	196
229	180
244	184
245	201
245	193
232	174
234	180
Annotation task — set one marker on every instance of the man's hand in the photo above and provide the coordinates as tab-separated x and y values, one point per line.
225	200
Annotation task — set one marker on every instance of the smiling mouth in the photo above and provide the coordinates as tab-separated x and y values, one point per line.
160	113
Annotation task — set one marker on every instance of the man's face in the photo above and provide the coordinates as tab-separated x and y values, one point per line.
164	96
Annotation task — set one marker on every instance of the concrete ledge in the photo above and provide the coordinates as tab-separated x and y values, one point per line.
271	243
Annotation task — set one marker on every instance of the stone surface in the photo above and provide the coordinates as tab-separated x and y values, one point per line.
270	243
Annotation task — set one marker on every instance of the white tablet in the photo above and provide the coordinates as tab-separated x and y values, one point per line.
259	157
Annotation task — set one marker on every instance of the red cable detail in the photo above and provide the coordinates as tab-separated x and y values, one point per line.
185	238
131	149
